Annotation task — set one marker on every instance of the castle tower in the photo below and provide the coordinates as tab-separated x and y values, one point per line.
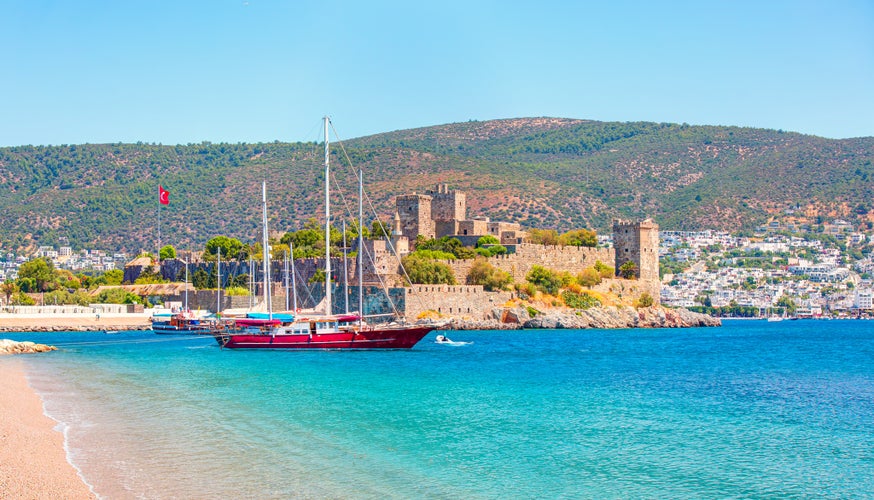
447	205
637	242
414	211
400	242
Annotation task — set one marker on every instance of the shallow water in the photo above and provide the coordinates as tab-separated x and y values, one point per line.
751	409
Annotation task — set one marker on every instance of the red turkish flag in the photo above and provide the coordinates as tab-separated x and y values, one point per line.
163	196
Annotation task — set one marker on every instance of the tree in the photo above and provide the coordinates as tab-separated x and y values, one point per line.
200	279
9	289
379	230
603	269
425	271
487	275
787	303
628	270
589	277
231	248
113	277
117	296
579	238
167	252
544	279
645	300
41	271
543	236
487	240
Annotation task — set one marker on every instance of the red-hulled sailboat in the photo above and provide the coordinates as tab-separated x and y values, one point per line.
318	332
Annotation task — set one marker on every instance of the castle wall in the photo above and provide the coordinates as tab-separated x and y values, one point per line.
498	229
462	301
473	227
445	228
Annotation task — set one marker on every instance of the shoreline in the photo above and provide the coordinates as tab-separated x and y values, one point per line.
72	322
33	455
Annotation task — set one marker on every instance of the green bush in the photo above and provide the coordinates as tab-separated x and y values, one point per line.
426	271
645	300
487	275
579	300
544	279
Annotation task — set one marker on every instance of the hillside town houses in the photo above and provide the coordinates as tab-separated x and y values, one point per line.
717	269
88	261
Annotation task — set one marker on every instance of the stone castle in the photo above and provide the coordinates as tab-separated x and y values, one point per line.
443	212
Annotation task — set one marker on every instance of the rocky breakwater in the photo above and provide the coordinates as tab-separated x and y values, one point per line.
12	347
597	317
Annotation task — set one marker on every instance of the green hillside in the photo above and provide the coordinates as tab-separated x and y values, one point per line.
541	172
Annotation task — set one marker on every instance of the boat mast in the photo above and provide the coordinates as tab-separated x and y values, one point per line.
285	268
345	273
293	276
328	307
266	252
186	284
360	246
218	281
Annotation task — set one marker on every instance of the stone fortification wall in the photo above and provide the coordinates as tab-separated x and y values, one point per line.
557	258
462	301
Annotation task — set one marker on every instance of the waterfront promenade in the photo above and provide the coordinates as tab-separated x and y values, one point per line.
73	318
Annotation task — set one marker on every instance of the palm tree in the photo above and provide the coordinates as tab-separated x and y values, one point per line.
8	289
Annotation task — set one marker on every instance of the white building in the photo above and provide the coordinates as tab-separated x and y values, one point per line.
863	299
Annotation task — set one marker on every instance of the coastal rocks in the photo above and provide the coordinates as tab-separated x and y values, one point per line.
72	328
12	347
596	317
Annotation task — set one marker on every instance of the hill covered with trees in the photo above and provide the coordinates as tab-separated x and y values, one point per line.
546	173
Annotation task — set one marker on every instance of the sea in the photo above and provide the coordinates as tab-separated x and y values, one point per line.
752	409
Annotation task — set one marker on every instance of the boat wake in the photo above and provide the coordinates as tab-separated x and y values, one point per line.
441	339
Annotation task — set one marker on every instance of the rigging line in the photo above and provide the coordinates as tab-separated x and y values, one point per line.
383	285
394	252
371	257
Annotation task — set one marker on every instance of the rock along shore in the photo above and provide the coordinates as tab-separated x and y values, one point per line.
12	347
72	328
518	318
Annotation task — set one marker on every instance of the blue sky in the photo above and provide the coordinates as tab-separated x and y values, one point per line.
177	72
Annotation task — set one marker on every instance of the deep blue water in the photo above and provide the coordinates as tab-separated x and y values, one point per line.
751	410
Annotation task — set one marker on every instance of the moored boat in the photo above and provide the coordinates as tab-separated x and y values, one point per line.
317	332
182	322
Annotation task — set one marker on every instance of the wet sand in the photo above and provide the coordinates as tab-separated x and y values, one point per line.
33	462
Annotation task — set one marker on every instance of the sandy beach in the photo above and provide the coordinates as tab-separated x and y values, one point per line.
33	462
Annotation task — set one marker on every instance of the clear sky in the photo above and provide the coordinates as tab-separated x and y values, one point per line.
181	71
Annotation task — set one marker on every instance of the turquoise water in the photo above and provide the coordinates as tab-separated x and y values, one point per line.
751	410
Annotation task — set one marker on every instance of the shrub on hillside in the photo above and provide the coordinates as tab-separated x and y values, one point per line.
579	300
487	275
